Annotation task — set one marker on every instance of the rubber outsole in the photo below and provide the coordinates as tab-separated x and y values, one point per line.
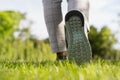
78	48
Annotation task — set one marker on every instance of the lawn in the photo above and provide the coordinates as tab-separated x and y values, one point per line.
59	70
24	62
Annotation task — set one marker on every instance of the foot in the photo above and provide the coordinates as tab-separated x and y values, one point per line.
61	55
79	48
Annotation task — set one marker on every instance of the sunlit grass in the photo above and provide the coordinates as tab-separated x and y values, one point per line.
59	70
22	61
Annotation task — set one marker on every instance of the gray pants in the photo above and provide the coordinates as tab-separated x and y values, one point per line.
53	19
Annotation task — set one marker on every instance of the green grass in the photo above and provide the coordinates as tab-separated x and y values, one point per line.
22	61
59	70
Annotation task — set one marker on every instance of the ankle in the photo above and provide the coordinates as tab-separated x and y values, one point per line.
61	55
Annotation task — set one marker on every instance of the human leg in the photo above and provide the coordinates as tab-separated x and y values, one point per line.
83	7
53	19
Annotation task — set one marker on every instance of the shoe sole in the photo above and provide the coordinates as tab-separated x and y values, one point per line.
79	48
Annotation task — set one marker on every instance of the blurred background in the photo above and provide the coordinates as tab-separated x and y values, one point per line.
23	34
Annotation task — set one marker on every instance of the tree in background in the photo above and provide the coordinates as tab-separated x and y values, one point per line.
102	42
9	20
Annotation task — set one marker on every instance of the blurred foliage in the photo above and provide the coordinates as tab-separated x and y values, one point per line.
24	47
102	43
20	50
9	20
27	47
